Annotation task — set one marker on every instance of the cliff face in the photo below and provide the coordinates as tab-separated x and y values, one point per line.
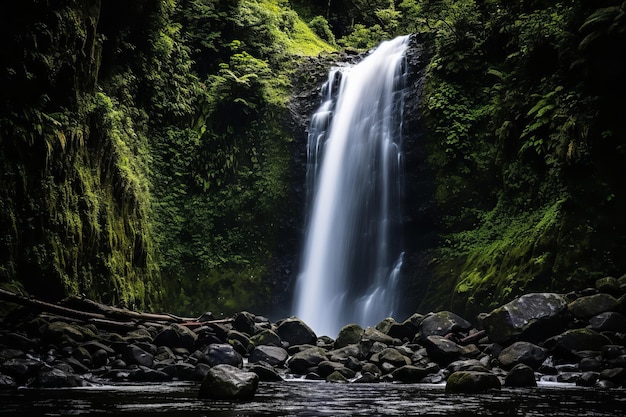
74	203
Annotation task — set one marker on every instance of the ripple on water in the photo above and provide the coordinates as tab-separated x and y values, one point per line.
314	399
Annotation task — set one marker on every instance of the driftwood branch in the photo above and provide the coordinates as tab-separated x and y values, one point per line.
101	314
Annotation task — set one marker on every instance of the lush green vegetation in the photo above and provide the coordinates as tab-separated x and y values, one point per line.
145	156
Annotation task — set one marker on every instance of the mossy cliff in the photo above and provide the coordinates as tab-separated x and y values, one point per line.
527	149
74	199
144	151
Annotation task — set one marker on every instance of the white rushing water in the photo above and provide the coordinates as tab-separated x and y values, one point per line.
353	251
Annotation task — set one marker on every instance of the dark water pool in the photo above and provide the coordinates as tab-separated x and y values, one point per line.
313	399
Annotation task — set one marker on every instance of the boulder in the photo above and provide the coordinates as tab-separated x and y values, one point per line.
226	382
349	335
609	285
522	353
221	353
337	377
176	336
442	323
394	357
302	361
265	372
326	368
295	332
592	305
520	376
588	379
244	322
371	335
134	355
608	321
57	378
532	317
410	374
471	382
575	340
273	355
442	350
266	337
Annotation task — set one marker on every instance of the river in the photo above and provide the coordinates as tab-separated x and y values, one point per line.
291	398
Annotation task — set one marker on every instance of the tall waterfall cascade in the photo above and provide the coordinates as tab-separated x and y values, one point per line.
353	252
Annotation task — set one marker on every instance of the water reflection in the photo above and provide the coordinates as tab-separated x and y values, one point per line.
314	399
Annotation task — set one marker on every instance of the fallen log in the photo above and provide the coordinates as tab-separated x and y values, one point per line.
108	316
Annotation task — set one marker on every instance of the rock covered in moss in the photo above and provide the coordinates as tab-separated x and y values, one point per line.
525	353
591	305
296	332
348	335
226	382
531	317
472	382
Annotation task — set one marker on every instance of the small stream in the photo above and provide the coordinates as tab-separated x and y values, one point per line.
314	399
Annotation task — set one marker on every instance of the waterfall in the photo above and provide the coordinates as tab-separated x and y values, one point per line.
353	254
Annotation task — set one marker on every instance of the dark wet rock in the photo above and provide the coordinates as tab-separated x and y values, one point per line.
394	357
273	355
608	321
58	330
522	352
471	382
139	335
181	371
76	365
325	368
7	382
346	352
295	332
226	382
265	372
371	335
245	322
56	378
134	355
604	384
202	369
467	365
371	369
243	340
590	364
176	336
21	369
531	317
7	354
367	378
568	377
239	347
442	350
410	374
18	341
93	346
610	352
588	379
615	375
302	361
442	323
520	376
575	340
406	330
337	377
221	353
609	285
266	337
349	335
164	353
313	376
385	324
325	342
592	305
353	363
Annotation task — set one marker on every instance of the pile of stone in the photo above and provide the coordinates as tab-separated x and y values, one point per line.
576	338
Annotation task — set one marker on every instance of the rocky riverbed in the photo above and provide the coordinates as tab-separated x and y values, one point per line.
577	338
